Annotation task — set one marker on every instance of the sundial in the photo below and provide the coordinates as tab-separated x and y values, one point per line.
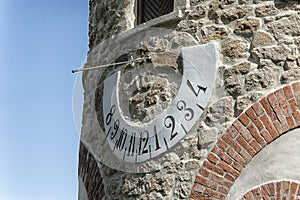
137	141
144	109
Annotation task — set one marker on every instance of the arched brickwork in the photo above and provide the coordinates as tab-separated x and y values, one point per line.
275	190
262	123
90	174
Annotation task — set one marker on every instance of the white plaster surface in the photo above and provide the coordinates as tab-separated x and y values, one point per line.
279	161
82	193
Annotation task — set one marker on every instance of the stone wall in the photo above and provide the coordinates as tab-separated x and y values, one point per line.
258	44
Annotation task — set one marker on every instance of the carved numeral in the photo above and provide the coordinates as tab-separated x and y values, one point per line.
116	127
156	139
171	125
189	113
131	145
144	143
199	88
122	139
110	115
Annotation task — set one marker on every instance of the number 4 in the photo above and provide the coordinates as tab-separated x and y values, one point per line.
193	89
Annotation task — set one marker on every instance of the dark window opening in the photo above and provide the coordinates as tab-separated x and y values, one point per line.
150	9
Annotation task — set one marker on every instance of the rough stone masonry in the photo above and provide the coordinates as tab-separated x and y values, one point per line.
256	94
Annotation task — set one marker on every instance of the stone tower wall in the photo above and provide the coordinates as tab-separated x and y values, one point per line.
256	99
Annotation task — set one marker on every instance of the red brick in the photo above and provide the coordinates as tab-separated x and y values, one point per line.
264	102
272	100
256	135
296	116
283	102
237	166
221	180
255	145
290	121
293	190
232	131
204	172
222	145
229	177
293	105
223	189
245	145
281	119
206	182
267	136
278	127
254	119
259	110
243	131
278	188
256	194
225	157
285	187
198	196
246	155
228	168
214	194
269	126
296	89
226	138
212	158
244	119
237	157
198	188
279	94
288	92
264	193
271	189
213	168
248	196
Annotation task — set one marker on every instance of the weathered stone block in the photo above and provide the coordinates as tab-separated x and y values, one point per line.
241	68
260	1
276	54
234	85
198	12
266	10
220	111
234	13
260	78
234	48
286	26
262	38
245	101
247	26
291	75
216	4
214	32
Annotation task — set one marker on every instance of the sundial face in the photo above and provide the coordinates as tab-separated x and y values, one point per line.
161	110
136	115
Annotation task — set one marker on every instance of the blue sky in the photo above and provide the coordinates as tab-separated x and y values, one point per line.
41	41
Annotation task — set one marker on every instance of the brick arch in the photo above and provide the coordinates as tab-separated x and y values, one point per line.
259	125
274	190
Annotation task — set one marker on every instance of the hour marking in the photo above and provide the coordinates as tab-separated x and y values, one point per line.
136	154
150	151
184	129
124	154
200	107
166	143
